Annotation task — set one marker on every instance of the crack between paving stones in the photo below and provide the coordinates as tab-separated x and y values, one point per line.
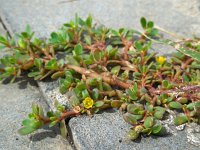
69	138
10	33
4	27
67	1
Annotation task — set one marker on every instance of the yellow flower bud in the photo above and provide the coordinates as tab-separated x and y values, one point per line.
88	102
139	128
160	60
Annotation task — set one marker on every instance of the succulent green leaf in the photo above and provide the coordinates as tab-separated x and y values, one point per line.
159	112
148	122
57	74
186	78
179	120
132	134
139	117
69	76
132	94
60	108
85	94
182	100
33	74
175	105
88	61
116	103
138	45
71	60
193	105
26	130
136	109
28	29
54	37
114	32
78	50
129	118
50	114
35	108
10	70
63	129
150	107
165	83
95	94
53	123
106	86
147	131
152	32
158	130
89	21
51	65
143	23
26	122
53	118
81	86
3	41
111	51
98	55
35	124
88	40
64	84
99	104
150	24
115	70
38	62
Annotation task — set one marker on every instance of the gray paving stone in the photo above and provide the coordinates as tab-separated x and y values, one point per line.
16	100
2	31
106	130
15	104
45	16
111	129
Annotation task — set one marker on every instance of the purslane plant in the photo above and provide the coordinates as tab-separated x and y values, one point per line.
106	68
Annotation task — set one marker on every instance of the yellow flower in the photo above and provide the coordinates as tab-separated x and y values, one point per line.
88	102
160	59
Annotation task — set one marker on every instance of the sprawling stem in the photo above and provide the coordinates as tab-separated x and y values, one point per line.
185	89
64	115
105	78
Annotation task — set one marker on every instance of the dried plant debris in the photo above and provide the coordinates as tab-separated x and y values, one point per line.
105	68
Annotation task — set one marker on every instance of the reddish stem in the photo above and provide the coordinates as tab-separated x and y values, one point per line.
105	78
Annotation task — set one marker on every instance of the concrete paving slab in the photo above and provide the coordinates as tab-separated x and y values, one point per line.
16	100
15	104
106	130
2	30
45	16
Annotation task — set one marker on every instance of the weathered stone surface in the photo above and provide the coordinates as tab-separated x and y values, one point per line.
44	16
16	100
106	130
51	92
2	31
15	104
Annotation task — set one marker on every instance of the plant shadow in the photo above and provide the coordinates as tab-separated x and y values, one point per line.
44	133
23	81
